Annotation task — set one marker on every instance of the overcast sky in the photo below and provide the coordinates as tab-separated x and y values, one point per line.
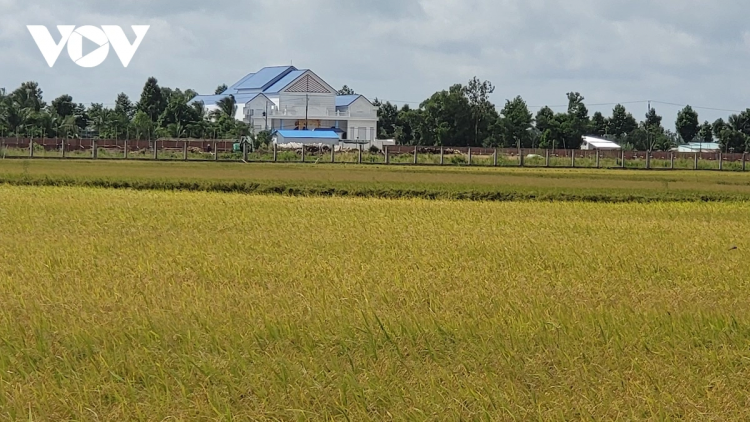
676	51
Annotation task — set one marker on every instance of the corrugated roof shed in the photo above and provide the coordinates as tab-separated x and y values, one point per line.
600	143
313	134
698	147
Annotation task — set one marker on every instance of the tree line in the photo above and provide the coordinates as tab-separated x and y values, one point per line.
462	115
160	112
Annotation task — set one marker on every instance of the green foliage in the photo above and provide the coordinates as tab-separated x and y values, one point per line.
706	133
152	102
513	126
687	124
622	123
345	90
387	119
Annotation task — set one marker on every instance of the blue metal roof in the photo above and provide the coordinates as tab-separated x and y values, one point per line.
346	100
315	134
284	82
209	100
245	98
236	84
263	79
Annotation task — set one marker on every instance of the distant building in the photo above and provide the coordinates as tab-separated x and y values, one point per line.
306	137
699	147
590	143
284	97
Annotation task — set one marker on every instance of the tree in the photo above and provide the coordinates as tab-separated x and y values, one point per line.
178	115
152	102
408	125
515	123
387	120
550	125
228	106
124	107
706	133
63	106
717	127
599	124
446	119
345	90
653	129
578	121
687	124
221	89
621	123
477	93
143	126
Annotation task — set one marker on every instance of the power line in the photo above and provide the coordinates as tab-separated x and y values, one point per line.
592	104
697	107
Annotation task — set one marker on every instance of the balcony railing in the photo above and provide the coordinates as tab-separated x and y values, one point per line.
311	113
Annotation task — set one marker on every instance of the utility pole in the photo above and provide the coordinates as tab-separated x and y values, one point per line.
307	102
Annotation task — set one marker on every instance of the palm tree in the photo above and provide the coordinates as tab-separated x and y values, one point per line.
228	106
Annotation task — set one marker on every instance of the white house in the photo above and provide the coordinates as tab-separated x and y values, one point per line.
284	97
590	143
306	137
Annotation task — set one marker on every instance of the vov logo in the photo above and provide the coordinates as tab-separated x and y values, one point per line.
103	37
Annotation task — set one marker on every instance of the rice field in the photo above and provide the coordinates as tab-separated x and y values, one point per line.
165	305
486	184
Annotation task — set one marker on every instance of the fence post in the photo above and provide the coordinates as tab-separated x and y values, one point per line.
156	149
359	155
598	159
185	151
125	151
648	160
442	155
744	160
415	154
521	158
31	148
93	149
385	150
63	148
469	156
333	153
671	160
721	161
695	165
494	159
303	153
546	157
573	158
622	161
216	151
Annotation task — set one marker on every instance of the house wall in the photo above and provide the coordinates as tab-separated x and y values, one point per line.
361	108
317	104
362	129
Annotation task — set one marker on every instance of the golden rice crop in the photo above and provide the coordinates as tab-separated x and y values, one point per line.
123	305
